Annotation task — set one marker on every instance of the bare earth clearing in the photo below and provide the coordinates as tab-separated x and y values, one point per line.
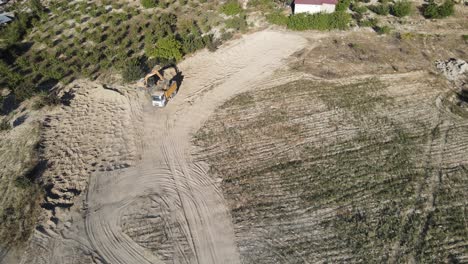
183	216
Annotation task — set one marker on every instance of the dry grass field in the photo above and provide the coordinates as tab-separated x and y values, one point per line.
368	168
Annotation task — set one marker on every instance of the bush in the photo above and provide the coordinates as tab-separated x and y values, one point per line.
277	18
342	5
382	30
5	125
166	48
231	8
371	22
238	23
24	91
360	9
320	21
149	3
432	10
36	6
446	9
401	8
381	9
46	99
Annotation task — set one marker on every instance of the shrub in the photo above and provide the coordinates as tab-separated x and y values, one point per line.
432	10
382	30
192	43
231	8
46	99
132	71
381	9
262	5
166	48
360	9
320	21
371	22
342	5
465	37
277	18
24	91
149	3
401	8
238	23
36	6
5	125
446	9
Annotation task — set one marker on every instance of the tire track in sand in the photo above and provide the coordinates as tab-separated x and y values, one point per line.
166	168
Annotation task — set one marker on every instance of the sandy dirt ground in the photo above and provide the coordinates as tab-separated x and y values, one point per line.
164	207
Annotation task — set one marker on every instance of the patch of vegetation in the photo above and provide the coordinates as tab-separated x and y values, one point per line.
133	70
166	48
5	125
342	5
382	9
19	208
46	99
371	22
231	8
149	3
277	18
237	23
401	8
320	21
433	10
360	9
382	30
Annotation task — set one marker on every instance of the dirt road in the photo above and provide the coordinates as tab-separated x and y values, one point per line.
191	210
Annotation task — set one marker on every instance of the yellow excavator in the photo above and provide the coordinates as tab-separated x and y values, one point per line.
162	89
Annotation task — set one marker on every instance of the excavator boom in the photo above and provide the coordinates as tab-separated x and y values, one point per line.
153	73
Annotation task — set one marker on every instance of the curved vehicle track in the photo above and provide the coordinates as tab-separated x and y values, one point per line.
166	168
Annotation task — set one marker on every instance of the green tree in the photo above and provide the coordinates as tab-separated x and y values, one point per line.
166	48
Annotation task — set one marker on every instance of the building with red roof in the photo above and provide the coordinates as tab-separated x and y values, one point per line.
314	6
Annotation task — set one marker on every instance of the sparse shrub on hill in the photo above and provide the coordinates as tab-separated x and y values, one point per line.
360	9
401	8
132	70
46	99
36	6
381	9
433	10
149	3
277	18
320	21
371	22
382	30
231	8
342	5
238	23
5	125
